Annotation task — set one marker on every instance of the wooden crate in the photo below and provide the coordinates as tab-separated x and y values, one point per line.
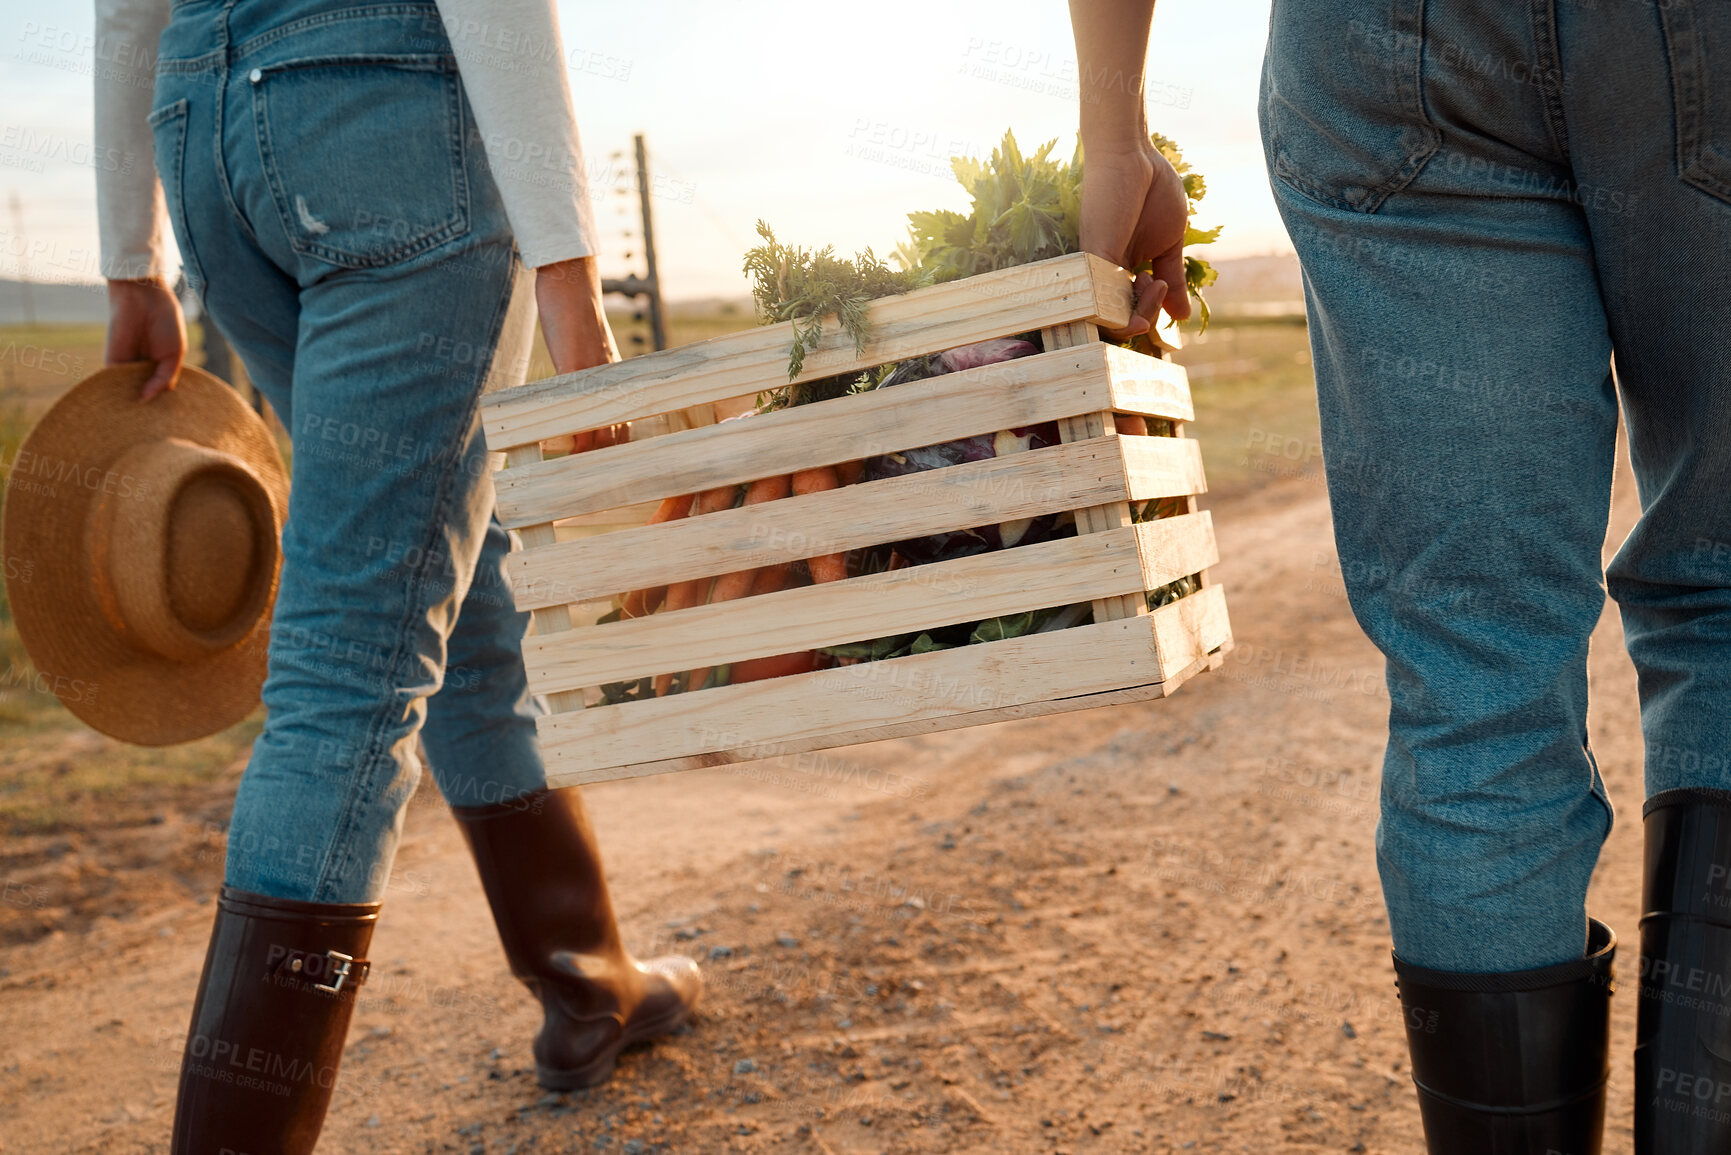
1126	654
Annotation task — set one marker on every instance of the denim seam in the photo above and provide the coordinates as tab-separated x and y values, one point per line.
246	47
188	65
217	150
180	110
456	227
414	612
1550	59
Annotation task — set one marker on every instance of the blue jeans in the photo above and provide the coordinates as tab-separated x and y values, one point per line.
1490	200
333	207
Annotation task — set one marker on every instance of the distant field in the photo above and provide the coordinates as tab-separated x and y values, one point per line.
1255	417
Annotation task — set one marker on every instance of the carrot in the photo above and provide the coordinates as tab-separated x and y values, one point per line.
641	602
694	592
772	578
828	567
1131	423
849	472
732	586
757	669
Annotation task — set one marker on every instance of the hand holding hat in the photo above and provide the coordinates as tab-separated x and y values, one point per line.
152	529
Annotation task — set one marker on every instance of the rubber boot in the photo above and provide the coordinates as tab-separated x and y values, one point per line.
1512	1064
1683	1031
541	870
273	1006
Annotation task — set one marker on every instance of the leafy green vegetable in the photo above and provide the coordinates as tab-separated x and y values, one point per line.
798	285
1026	208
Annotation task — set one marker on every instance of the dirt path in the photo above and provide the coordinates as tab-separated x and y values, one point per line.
1155	928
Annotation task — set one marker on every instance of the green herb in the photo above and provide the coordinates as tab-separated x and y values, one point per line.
803	287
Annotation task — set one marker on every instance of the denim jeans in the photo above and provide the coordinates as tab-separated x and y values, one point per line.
1490	200
333	206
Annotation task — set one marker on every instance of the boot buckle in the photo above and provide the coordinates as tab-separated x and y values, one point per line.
341	965
341	970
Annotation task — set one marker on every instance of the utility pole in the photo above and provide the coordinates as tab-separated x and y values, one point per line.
649	285
24	271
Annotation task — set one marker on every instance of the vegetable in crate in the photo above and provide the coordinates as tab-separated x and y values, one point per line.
1025	209
981	539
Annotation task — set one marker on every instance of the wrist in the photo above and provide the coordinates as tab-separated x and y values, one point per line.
139	284
1116	132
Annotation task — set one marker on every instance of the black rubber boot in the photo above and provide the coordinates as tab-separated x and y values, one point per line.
1512	1064
1683	1037
273	1005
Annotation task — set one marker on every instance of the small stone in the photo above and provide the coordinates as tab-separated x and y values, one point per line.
716	952
496	1054
786	940
1346	1029
372	1120
744	1067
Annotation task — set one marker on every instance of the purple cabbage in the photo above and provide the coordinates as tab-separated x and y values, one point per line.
982	539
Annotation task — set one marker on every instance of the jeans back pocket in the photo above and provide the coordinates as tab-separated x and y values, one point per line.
364	154
1343	118
1698	40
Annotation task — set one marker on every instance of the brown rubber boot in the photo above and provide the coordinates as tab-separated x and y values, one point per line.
273	1006
541	869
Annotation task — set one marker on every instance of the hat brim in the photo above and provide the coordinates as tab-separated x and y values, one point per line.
63	466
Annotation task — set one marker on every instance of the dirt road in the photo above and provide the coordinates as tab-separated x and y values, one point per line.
1148	929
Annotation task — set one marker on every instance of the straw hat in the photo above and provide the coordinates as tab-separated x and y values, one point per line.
140	542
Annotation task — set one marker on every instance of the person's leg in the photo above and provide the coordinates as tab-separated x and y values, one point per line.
1655	168
1468	423
385	445
480	730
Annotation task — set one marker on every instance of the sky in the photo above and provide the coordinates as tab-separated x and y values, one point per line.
829	121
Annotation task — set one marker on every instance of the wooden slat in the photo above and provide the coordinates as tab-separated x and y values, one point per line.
1196	626
1052	573
1106	515
1075	287
554	619
805	707
1163	467
1148	385
1028	391
568	764
957	497
558	776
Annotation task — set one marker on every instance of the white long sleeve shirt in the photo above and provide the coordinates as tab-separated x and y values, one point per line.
512	62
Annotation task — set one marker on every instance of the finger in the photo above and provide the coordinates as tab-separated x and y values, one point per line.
1151	296
1148	294
161	379
1169	268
